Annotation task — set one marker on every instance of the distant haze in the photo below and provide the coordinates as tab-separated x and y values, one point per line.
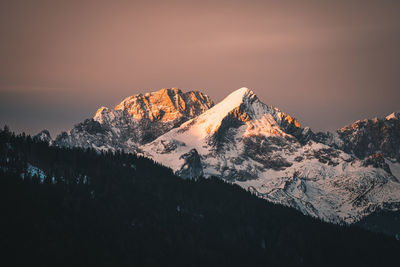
327	63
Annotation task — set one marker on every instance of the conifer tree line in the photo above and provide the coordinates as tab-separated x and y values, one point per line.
95	208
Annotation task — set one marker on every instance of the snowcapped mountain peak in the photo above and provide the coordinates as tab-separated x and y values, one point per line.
209	121
234	100
231	127
240	109
238	97
238	94
243	106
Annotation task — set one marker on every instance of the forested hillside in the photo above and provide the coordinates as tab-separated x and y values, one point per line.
75	207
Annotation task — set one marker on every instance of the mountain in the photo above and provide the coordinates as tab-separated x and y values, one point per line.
75	207
265	151
366	137
342	176
219	132
136	120
377	141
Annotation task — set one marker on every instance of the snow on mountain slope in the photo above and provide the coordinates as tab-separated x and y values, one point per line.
136	120
240	112
244	141
341	189
394	168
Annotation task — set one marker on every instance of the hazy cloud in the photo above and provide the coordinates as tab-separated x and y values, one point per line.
326	62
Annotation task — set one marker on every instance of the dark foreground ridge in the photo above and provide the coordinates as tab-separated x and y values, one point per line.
75	207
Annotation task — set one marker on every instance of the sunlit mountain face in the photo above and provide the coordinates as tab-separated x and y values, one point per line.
138	119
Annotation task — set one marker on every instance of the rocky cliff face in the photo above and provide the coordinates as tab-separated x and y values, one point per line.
136	120
366	137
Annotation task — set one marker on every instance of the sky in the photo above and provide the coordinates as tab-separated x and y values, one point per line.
327	63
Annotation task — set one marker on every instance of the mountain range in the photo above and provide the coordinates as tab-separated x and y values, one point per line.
340	176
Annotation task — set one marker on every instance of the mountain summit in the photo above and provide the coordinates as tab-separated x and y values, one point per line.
138	119
241	107
165	105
